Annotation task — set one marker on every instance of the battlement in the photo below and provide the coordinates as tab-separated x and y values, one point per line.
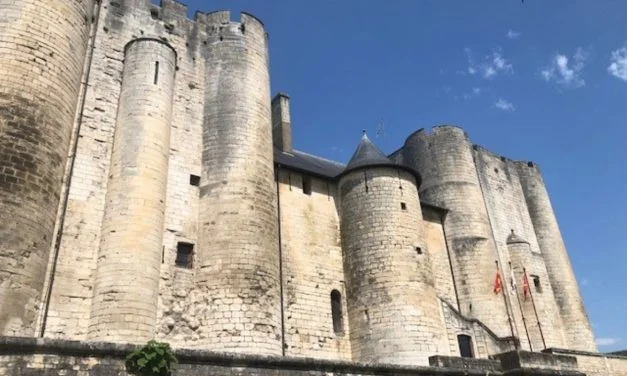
174	14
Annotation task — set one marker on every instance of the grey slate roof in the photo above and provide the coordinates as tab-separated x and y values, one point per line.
297	160
367	154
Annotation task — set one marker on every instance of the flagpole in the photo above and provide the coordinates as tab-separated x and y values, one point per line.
533	302
509	317
522	313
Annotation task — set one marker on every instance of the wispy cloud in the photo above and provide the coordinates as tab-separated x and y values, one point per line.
564	71
475	92
618	63
607	341
490	66
504	105
511	34
584	282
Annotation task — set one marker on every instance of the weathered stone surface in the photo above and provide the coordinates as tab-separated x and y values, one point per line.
189	160
42	51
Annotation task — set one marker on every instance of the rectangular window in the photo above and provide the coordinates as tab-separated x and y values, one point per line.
156	72
306	185
194	180
184	255
536	283
403	206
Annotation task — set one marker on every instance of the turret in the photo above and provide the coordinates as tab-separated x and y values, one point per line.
238	270
535	297
445	162
129	258
393	311
42	63
577	330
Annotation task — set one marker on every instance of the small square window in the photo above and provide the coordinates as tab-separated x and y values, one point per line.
194	180
419	250
184	255
306	185
403	206
536	283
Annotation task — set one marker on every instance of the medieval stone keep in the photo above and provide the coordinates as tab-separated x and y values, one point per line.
149	189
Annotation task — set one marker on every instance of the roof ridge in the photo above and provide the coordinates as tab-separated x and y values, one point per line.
318	157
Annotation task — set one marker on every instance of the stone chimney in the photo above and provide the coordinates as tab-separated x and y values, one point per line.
281	122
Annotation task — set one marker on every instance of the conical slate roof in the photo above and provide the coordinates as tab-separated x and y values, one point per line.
367	154
513	239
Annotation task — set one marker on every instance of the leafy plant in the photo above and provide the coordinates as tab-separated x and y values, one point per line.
152	359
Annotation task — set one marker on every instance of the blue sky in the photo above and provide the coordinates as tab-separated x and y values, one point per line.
541	80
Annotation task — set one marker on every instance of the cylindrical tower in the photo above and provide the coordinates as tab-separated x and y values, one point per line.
238	234
445	162
393	310
124	307
537	304
44	46
577	330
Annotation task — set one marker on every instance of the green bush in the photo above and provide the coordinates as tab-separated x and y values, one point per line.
152	359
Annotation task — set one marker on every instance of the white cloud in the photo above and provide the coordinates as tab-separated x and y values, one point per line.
504	105
584	282
607	341
511	34
566	72
476	90
491	66
618	64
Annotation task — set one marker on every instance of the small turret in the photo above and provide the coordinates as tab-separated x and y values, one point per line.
392	305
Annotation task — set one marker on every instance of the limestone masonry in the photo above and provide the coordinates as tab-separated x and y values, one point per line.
149	189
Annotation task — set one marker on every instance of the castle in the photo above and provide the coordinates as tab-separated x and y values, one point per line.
149	189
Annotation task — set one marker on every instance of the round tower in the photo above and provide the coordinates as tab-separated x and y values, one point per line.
44	47
445	162
393	310
238	265
577	330
537	303
124	306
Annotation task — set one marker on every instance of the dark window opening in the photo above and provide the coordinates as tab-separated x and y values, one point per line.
156	72
194	180
153	13
496	170
184	255
419	250
403	206
336	312
536	283
530	164
465	346
306	185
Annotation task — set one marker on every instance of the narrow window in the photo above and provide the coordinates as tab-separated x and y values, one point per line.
184	255
419	250
194	180
336	312
403	206
156	72
536	283
465	346
306	185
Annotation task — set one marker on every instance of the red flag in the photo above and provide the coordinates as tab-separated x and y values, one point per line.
525	283
498	285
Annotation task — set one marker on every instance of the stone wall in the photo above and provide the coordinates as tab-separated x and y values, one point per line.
312	267
31	357
596	364
43	46
507	210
